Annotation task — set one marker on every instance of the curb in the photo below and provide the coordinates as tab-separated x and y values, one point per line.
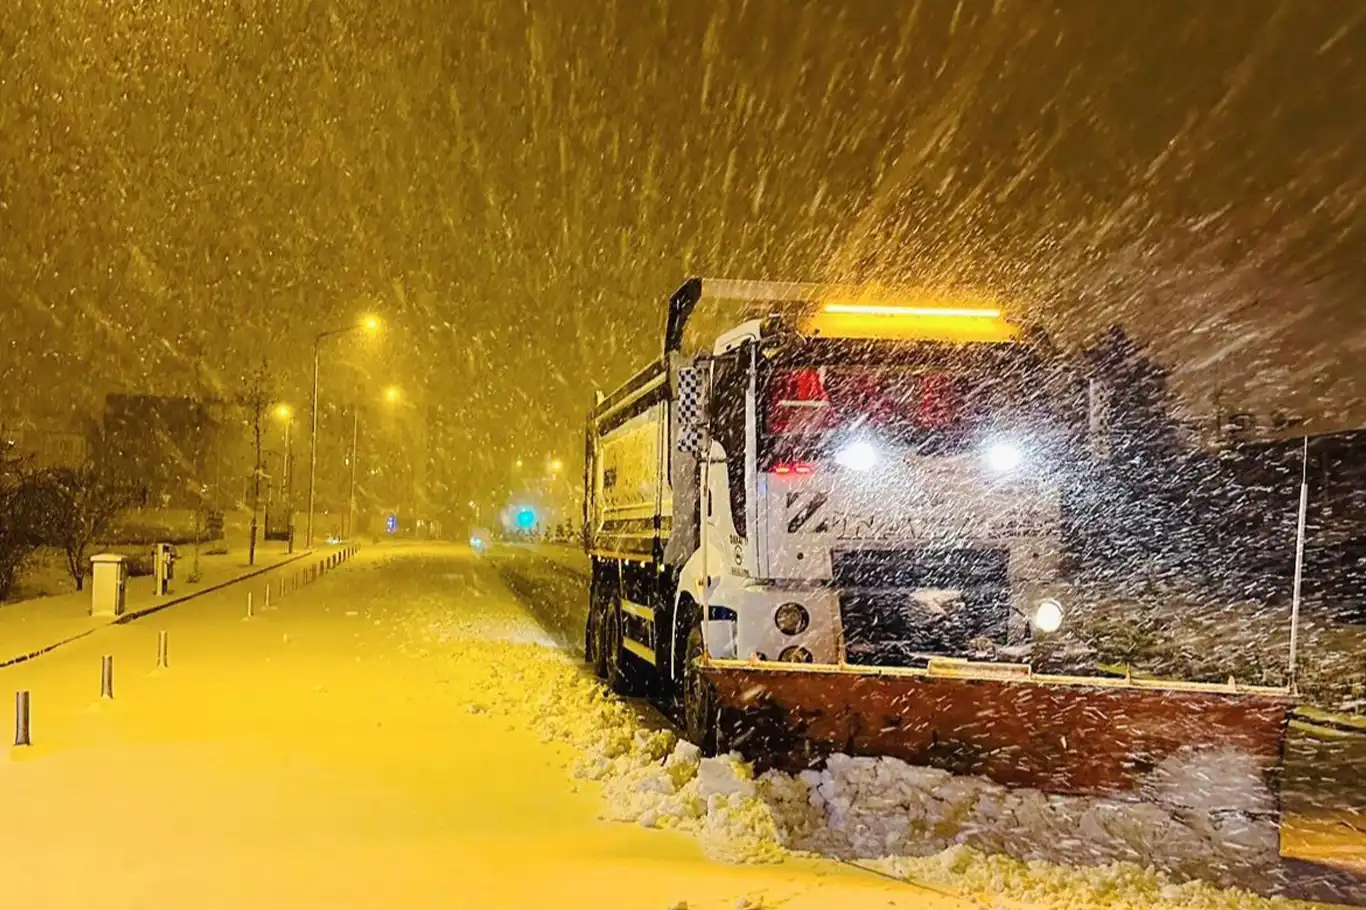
157	608
146	611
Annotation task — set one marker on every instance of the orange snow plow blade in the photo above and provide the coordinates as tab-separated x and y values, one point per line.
1059	734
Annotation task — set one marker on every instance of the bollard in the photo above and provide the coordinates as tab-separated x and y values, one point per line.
107	676
250	611
266	604
21	719
162	649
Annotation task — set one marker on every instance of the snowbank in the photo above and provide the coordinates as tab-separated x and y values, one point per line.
961	833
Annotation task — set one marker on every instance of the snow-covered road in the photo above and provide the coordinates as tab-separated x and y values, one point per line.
404	733
368	741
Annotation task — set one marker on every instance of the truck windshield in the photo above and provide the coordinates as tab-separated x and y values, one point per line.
929	398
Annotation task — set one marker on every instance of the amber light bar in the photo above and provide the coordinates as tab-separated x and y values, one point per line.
877	309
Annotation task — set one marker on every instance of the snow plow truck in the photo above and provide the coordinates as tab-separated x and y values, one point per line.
827	519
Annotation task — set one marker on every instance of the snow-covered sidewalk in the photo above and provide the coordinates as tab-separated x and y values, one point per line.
30	627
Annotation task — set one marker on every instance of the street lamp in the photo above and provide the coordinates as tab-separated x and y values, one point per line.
391	395
556	465
368	324
285	414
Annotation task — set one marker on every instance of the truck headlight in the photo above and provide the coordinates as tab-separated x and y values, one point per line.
791	619
1003	457
795	655
859	455
1048	615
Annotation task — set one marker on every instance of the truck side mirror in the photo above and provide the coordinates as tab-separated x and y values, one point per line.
691	405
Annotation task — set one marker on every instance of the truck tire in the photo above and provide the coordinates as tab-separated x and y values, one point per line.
595	632
624	675
701	713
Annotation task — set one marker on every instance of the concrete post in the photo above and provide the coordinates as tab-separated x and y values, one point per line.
22	735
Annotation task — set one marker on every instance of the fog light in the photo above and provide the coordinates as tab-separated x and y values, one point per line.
1048	616
796	654
791	619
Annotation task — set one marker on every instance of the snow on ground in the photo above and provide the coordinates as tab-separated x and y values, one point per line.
332	752
964	834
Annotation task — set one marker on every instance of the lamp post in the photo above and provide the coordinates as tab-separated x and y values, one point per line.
368	324
351	497
391	396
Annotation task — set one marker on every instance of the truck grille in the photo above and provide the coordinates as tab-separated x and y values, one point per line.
890	615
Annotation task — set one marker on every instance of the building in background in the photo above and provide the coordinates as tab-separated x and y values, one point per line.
171	448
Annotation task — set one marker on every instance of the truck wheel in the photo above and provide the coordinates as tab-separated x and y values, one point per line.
701	713
595	634
623	676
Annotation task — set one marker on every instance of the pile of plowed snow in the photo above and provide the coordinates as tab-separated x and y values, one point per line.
962	833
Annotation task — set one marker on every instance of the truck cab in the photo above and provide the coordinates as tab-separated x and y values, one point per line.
836	476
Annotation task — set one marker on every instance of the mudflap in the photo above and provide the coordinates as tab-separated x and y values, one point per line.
1067	735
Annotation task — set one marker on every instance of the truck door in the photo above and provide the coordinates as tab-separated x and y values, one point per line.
731	411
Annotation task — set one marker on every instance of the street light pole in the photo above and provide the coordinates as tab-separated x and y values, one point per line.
289	485
351	501
313	438
369	324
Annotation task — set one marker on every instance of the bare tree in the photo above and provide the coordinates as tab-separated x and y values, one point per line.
256	401
21	512
83	505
